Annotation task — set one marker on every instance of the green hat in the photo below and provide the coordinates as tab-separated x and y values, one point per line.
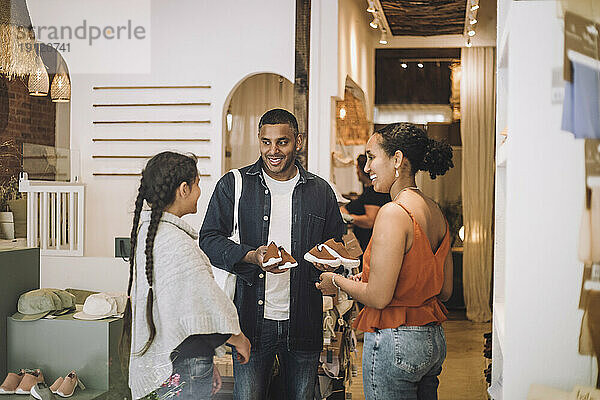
67	301
36	304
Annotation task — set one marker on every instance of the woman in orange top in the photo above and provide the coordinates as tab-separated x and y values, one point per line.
407	270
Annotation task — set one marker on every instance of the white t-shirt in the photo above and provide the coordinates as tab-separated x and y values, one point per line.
277	286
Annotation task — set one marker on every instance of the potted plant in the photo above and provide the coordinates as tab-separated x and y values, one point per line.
9	191
10	159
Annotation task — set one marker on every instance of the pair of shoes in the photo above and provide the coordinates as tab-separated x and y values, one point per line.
331	254
22	382
276	255
65	387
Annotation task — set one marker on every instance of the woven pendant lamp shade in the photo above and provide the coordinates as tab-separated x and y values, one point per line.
38	80
60	91
17	40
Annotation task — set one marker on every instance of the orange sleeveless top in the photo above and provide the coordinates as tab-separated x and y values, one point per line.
421	277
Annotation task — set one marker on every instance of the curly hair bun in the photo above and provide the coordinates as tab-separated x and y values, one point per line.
424	153
437	159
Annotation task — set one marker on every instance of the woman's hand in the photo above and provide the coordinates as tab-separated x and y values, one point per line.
217	383
326	285
242	346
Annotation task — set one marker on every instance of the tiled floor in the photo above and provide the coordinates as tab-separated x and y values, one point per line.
462	377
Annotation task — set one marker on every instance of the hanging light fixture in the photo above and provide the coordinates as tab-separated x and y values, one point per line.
17	40
38	83
375	23
371	7
383	39
60	90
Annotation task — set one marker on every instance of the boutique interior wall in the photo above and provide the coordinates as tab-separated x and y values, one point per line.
356	62
187	46
545	193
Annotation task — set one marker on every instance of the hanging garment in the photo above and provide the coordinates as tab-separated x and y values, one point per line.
589	231
581	107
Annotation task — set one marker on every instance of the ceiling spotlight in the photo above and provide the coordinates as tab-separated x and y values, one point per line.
473	21
375	23
371	7
471	32
404	65
469	44
342	113
420	65
475	7
383	39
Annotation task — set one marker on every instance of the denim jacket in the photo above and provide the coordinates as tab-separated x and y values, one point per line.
316	218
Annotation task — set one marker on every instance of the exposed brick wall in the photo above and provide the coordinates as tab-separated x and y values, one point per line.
23	119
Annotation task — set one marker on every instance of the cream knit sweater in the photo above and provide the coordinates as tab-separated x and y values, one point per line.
187	301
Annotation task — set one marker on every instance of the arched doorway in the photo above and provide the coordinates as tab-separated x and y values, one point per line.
352	130
247	102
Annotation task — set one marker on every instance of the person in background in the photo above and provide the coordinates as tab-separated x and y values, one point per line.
280	310
407	270
177	314
364	209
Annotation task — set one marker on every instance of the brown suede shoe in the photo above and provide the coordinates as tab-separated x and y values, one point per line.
287	261
11	383
67	388
56	384
30	379
321	255
338	250
272	257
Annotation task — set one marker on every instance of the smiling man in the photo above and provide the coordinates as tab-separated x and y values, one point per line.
280	311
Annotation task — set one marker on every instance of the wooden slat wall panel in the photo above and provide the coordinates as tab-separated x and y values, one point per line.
132	123
425	17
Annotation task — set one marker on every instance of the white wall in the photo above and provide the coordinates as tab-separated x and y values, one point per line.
356	60
544	198
191	42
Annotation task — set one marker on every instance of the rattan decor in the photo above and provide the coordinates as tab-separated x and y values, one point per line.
353	129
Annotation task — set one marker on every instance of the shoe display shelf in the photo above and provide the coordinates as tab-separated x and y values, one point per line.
19	273
59	345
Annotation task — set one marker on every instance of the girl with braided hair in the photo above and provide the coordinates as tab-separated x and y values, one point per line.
176	315
407	269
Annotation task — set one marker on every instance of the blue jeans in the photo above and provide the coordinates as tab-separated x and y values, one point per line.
191	379
299	368
403	363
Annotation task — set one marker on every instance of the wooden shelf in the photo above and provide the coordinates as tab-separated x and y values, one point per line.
140	157
130	174
148	140
151	122
150	104
151	87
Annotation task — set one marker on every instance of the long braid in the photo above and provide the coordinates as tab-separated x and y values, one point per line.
152	229
125	340
160	180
